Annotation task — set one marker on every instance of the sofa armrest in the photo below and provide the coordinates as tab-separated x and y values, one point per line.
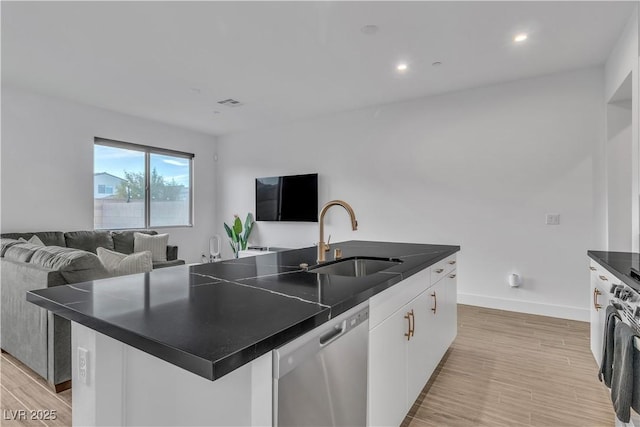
172	253
25	325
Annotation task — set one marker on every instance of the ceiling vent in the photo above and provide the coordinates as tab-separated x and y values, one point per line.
231	103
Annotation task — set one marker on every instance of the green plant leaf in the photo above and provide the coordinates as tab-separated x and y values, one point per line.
248	226
237	225
228	230
249	221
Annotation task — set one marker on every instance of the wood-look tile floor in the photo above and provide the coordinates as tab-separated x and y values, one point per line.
508	369
504	369
23	390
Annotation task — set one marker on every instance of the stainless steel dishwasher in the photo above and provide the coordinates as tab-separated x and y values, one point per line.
320	378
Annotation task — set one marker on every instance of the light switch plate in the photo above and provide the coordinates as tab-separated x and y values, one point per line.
553	219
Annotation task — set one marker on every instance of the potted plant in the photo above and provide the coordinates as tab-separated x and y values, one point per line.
237	238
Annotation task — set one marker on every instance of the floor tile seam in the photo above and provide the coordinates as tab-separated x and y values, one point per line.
22	403
3	375
38	383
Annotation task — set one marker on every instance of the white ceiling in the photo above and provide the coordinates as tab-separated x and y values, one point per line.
288	60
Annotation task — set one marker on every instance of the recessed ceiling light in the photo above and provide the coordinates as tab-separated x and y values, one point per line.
436	64
402	67
519	38
369	29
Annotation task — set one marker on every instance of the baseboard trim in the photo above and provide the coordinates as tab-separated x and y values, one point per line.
551	310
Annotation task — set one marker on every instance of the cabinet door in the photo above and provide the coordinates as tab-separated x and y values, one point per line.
387	402
450	309
423	347
601	282
440	310
596	328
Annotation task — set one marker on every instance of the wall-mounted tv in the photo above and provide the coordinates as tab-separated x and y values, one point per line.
287	198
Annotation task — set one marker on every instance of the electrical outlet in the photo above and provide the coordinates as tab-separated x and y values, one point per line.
83	365
553	219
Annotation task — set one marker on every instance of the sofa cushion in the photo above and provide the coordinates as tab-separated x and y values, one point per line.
156	244
118	264
123	240
21	252
49	238
74	265
6	243
89	240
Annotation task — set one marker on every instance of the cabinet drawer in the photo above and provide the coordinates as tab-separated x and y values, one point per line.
603	277
441	268
450	263
387	302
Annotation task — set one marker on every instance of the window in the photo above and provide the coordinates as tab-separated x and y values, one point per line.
105	189
136	186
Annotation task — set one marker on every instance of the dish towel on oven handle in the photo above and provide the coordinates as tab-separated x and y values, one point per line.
606	364
623	378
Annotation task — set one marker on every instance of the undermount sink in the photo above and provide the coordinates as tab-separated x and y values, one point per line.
355	266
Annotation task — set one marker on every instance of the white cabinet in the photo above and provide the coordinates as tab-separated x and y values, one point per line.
601	281
449	310
387	399
406	344
424	346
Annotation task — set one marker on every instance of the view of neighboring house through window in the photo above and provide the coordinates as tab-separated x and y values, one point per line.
137	186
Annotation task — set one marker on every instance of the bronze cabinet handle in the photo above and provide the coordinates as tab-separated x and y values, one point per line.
603	278
435	303
439	270
596	305
592	268
452	276
452	262
413	323
410	330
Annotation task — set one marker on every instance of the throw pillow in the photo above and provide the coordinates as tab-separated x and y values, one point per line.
6	243
34	240
156	244
74	265
118	264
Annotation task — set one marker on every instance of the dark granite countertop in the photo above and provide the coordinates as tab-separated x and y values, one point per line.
619	264
213	318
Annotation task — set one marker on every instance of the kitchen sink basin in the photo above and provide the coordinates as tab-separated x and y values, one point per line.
355	266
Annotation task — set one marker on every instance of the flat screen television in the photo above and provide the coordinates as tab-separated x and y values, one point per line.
287	198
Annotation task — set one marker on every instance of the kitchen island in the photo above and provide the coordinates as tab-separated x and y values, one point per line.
157	343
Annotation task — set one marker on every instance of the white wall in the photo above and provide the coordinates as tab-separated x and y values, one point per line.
622	61
47	165
477	168
619	181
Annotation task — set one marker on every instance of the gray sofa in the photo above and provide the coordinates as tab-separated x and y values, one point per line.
39	339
